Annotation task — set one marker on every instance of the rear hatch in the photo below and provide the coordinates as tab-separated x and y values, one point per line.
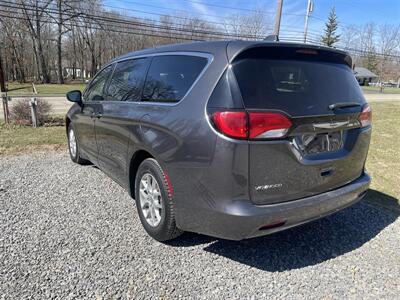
308	124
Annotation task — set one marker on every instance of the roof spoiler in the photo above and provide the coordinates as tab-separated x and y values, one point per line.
289	51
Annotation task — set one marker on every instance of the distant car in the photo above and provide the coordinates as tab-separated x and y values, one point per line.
233	139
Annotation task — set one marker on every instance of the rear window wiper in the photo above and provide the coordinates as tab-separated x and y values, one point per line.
343	105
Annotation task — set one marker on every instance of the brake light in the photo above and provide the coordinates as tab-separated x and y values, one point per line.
365	117
307	51
252	125
231	123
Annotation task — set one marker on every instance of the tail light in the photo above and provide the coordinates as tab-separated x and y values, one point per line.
268	125
231	123
252	125
366	116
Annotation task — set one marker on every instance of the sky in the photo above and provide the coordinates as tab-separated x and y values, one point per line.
349	12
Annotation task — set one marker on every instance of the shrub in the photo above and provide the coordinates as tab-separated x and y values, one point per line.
55	121
21	111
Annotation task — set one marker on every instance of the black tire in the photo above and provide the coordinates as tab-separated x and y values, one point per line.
76	158
166	229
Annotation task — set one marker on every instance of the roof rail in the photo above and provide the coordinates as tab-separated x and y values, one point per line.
272	38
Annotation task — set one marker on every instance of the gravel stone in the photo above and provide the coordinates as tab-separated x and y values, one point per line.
68	231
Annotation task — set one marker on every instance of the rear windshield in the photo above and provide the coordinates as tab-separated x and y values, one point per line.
298	87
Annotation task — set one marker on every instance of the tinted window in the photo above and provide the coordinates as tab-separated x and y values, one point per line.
95	90
297	87
171	76
226	94
294	86
127	80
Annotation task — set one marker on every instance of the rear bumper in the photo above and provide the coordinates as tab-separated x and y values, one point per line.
241	219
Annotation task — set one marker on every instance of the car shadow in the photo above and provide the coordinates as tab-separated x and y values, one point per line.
306	245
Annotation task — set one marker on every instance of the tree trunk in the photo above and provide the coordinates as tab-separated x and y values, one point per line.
42	63
82	65
59	59
94	64
21	70
39	48
59	44
19	64
2	79
74	63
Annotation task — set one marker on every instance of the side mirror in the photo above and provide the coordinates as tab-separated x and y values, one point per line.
75	96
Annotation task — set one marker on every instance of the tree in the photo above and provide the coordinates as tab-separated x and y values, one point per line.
34	13
14	36
252	26
367	43
66	12
388	42
331	26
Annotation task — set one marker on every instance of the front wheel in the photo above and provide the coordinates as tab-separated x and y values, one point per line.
74	148
154	202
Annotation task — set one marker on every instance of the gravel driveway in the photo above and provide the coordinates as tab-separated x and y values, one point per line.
68	231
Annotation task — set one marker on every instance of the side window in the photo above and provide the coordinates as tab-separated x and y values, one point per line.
95	90
171	76
127	80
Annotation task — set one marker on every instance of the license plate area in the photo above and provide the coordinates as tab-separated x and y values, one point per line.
314	143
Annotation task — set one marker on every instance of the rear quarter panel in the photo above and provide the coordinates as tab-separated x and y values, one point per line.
201	165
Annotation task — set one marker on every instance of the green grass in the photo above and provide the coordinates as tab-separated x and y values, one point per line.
386	90
25	89
383	162
15	139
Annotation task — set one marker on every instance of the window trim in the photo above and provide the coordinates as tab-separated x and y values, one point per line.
208	56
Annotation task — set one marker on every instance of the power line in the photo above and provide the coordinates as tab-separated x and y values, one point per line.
146	24
105	20
229	7
107	30
159	7
155	30
154	13
212	5
161	15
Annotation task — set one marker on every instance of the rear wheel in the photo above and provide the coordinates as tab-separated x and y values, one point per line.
74	148
154	202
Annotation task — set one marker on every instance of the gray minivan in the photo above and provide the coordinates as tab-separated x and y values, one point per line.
233	139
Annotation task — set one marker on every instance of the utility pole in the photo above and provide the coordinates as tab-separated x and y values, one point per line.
310	7
278	17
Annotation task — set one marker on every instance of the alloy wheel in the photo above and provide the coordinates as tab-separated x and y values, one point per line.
150	199
72	143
